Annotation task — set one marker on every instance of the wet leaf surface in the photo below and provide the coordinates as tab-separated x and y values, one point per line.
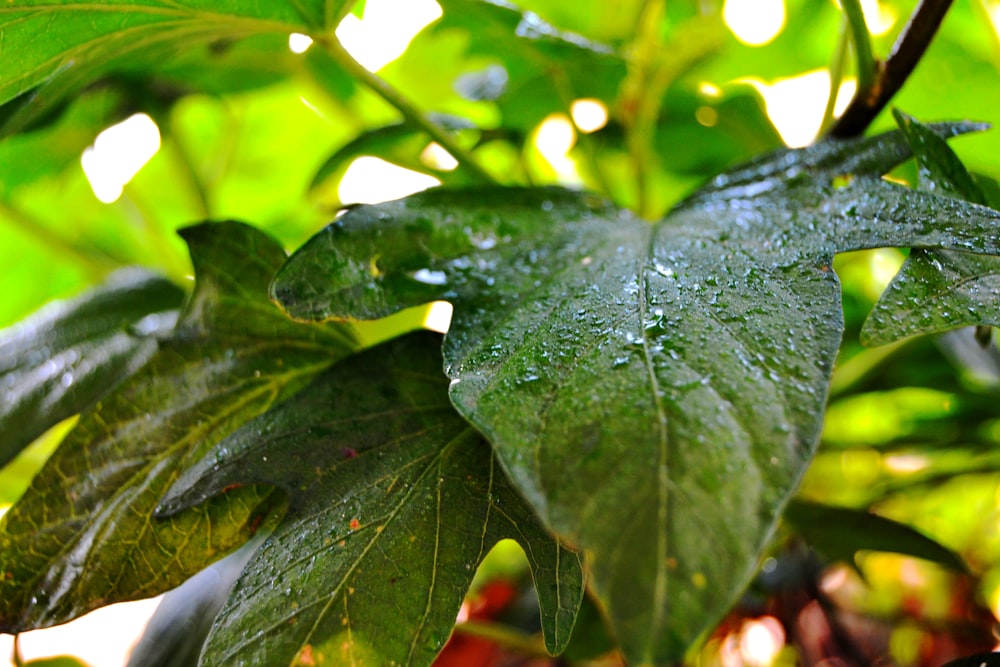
937	290
83	535
655	391
394	501
61	359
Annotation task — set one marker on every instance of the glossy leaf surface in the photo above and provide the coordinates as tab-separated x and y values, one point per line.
63	358
83	535
937	290
84	41
395	500
655	391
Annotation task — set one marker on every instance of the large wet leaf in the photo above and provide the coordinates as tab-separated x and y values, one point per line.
937	290
83	534
63	358
395	500
83	41
655	391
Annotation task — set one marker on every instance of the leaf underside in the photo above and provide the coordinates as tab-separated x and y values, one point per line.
83	535
394	501
60	360
655	391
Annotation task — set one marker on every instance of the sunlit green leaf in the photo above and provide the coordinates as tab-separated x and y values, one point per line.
65	357
395	500
83	534
86	41
655	391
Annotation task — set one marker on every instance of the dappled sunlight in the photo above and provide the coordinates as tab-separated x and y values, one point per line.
299	43
370	180
795	104
117	155
386	30
589	115
554	139
754	22
77	637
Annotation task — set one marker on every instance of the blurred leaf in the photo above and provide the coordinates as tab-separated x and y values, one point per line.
840	532
937	290
399	143
83	536
60	661
84	42
62	359
655	391
400	501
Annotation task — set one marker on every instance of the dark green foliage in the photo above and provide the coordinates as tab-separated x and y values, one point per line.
634	403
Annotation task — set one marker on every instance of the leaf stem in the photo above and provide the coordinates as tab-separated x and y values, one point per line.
96	263
906	53
504	636
867	65
836	77
410	112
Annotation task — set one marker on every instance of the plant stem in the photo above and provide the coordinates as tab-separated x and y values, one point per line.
96	263
410	112
836	77
867	66
504	636
906	53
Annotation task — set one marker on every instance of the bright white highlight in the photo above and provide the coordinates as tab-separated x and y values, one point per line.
118	154
554	139
760	641
77	638
879	18
299	43
795	105
438	158
370	180
438	318
386	30
589	115
754	22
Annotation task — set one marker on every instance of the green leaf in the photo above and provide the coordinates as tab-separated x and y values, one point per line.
86	41
395	500
655	391
83	534
840	532
399	143
63	358
936	290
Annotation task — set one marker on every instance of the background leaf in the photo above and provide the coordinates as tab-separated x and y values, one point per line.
400	503
83	534
654	391
63	358
840	532
84	42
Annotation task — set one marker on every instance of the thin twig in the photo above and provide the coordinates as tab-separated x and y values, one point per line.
867	67
906	53
96	262
410	112
836	78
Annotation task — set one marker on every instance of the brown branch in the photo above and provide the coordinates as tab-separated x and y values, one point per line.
906	53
